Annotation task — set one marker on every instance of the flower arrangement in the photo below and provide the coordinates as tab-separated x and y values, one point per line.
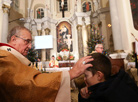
64	50
71	57
59	58
131	57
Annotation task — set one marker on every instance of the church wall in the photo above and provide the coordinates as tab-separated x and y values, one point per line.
53	32
23	5
15	20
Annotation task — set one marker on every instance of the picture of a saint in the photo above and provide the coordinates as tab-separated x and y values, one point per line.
64	36
63	32
86	6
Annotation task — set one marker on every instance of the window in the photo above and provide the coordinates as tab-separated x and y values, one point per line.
134	9
65	5
86	6
40	13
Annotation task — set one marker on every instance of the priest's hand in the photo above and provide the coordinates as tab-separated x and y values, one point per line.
80	67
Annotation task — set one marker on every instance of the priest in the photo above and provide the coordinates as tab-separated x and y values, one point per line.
21	83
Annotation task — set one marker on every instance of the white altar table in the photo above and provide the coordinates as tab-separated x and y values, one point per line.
50	70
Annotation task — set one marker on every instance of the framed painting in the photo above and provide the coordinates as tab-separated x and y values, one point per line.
64	37
86	6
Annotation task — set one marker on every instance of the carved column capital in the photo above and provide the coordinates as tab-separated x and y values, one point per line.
88	26
39	32
5	8
79	27
47	31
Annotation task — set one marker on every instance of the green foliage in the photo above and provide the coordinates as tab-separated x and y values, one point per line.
95	38
131	57
32	54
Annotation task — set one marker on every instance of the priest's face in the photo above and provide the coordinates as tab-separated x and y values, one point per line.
99	49
23	42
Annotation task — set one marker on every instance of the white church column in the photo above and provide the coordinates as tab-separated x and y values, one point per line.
46	27
29	7
79	6
87	36
88	25
84	36
39	28
80	43
41	32
27	23
6	7
43	51
96	5
1	17
47	51
46	11
99	4
79	34
117	38
34	30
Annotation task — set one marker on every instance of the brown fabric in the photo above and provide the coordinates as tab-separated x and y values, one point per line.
18	55
20	83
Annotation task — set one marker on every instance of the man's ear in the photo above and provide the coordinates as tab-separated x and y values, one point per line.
100	76
13	38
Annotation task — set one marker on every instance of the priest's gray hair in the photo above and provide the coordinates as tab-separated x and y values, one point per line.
16	31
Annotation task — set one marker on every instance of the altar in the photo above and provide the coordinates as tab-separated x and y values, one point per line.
51	70
62	64
66	63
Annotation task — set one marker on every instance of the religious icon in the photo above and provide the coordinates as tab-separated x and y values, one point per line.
64	36
86	6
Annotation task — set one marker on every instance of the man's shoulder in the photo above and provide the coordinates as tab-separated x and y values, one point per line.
4	44
4	53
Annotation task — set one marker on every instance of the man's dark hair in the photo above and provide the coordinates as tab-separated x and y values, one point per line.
100	63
